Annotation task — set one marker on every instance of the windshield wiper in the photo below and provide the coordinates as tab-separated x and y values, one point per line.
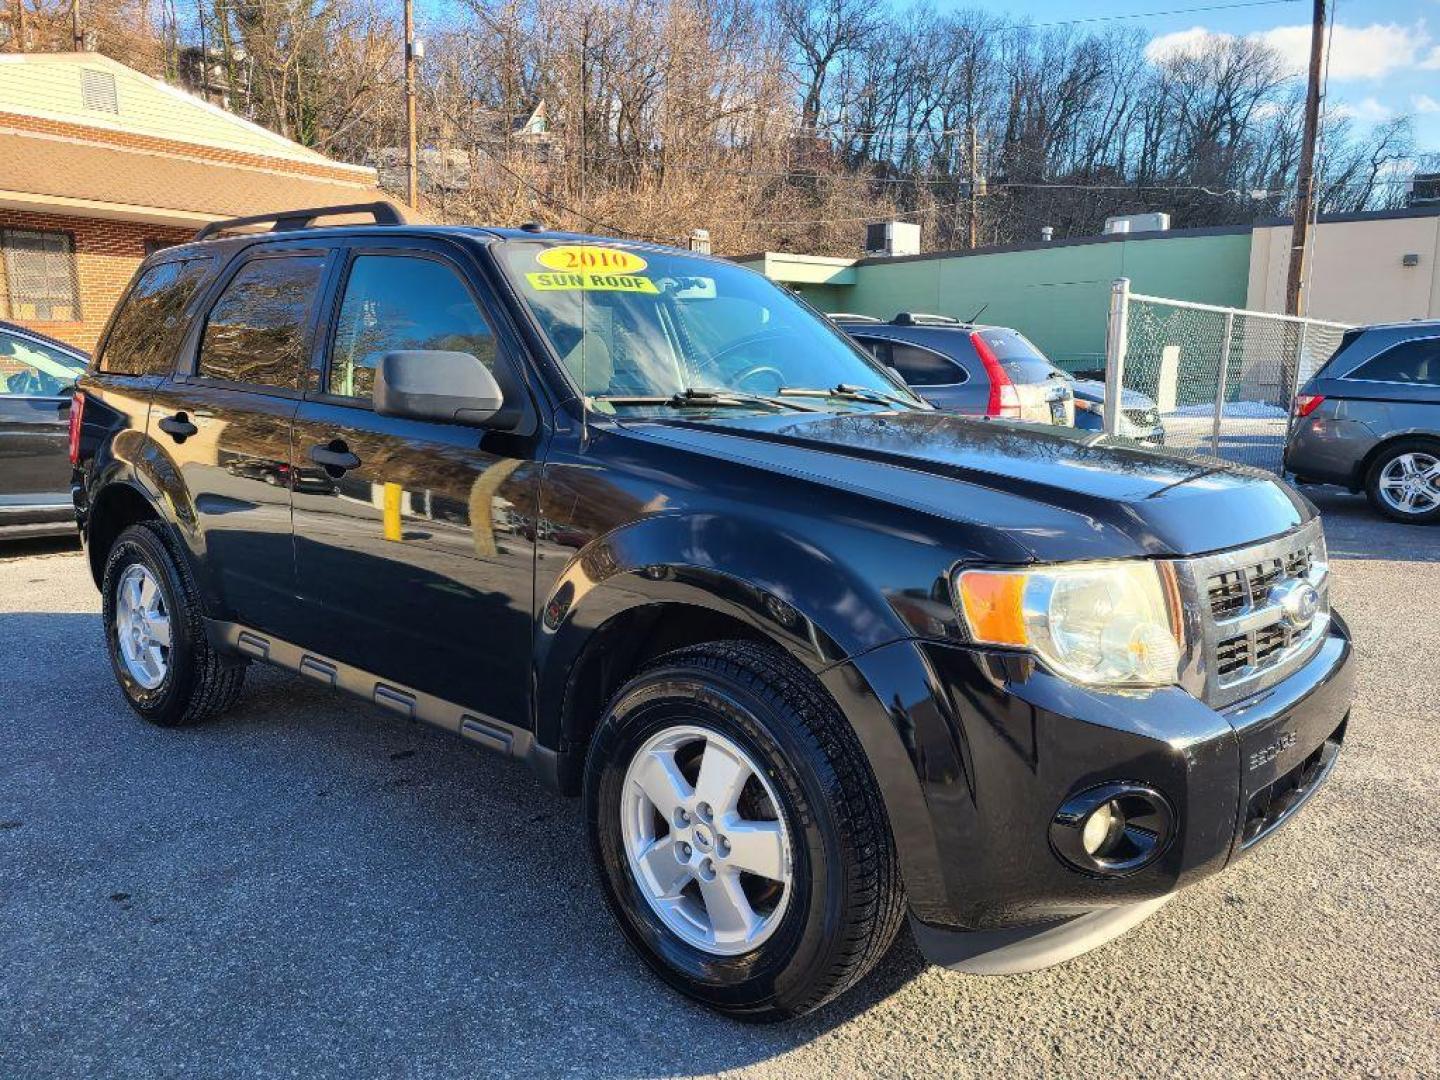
850	392
701	397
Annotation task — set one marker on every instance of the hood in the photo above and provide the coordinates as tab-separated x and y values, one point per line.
1058	493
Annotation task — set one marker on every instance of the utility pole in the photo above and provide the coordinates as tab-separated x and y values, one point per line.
412	153
22	26
1305	188
76	33
974	187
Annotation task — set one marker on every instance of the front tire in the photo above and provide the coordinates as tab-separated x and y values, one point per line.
154	628
1403	482
739	834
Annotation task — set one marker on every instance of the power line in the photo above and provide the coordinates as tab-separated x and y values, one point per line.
1158	14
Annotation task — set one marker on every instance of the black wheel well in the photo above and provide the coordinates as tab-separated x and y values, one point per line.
616	651
1362	470
114	510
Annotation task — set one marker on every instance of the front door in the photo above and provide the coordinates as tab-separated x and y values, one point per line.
413	541
224	423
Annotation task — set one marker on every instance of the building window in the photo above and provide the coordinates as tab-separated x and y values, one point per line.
40	275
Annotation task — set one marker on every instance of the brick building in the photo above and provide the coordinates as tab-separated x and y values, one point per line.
100	164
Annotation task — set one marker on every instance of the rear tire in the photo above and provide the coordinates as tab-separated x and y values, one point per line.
1388	486
155	632
826	911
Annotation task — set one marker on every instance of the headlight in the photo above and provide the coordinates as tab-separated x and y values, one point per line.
1104	624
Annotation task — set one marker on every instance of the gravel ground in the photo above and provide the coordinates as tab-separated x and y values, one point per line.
307	888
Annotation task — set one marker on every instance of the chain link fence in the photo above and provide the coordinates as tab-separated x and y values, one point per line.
1217	380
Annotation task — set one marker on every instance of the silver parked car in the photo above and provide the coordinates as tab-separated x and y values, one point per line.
1370	420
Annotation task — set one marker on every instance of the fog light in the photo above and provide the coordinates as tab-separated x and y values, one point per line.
1113	829
1100	829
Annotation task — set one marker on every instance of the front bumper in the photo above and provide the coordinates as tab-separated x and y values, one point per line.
997	744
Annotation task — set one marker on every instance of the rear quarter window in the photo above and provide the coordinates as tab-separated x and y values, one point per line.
1414	362
150	323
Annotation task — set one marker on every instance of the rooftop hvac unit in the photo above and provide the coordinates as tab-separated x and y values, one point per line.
1424	190
1133	223
892	238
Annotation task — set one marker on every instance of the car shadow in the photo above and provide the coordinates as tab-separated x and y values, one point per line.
305	871
1355	531
24	548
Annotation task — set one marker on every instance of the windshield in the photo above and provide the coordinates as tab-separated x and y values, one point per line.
633	324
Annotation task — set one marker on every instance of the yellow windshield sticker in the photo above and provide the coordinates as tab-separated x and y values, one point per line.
564	282
587	257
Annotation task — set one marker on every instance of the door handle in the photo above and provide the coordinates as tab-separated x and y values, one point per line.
178	427
334	455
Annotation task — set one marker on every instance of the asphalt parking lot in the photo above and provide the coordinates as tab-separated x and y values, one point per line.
307	887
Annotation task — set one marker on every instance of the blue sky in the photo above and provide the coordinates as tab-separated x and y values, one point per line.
1385	58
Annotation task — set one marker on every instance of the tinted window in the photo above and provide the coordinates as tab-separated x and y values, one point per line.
1410	362
30	369
397	302
921	367
257	329
149	325
1022	361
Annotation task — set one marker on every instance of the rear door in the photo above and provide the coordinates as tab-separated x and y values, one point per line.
414	540
224	421
36	384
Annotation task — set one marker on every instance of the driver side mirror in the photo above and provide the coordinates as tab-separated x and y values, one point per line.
435	384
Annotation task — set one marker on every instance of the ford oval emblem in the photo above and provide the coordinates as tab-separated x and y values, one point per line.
1298	601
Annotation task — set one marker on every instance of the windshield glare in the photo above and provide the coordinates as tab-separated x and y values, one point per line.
642	323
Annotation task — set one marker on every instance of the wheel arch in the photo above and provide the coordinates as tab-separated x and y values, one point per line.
114	508
1366	463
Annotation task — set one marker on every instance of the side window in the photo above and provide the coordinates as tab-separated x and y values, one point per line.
148	326
921	367
1416	362
257	330
30	369
395	302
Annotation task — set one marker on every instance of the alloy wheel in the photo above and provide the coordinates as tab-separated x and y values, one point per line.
142	626
1410	483
705	840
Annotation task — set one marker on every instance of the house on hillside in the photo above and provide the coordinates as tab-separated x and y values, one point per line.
100	165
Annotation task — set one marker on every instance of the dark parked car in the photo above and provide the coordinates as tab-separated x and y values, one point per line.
967	369
816	655
1370	420
1139	417
37	375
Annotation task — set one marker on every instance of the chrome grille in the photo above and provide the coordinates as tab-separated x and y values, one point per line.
1242	637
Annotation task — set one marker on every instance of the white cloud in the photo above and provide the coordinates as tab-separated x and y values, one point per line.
1424	103
1367	111
1357	52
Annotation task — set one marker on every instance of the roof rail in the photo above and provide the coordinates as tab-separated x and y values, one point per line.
850	316
384	213
920	318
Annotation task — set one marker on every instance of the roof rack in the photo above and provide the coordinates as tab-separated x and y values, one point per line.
850	316
384	213
920	318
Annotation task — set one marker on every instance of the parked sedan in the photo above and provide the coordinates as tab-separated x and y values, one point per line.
1370	420
965	368
1139	416
37	378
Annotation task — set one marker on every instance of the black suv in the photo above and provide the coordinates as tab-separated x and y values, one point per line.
815	655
